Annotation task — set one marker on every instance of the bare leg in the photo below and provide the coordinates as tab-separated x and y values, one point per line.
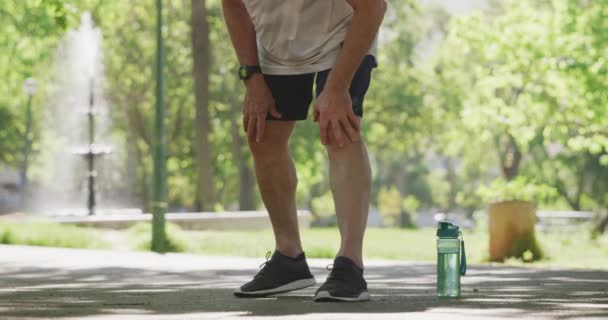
350	178
277	180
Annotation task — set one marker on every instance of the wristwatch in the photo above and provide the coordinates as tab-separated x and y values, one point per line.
245	72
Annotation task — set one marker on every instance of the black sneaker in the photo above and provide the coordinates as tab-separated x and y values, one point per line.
279	274
344	283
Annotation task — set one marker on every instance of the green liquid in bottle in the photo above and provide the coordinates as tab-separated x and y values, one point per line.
448	267
448	275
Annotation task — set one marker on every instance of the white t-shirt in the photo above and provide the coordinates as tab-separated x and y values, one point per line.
299	36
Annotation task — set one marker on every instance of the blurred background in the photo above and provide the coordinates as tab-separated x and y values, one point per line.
490	113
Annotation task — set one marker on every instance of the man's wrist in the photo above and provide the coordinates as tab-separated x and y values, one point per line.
246	71
335	87
254	78
335	84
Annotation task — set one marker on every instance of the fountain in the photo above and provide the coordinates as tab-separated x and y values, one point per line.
78	127
92	151
81	129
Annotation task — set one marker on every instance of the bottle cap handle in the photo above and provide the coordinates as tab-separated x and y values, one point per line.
463	256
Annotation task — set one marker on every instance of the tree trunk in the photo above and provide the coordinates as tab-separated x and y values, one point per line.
131	170
510	157
246	177
511	226
201	55
603	225
145	183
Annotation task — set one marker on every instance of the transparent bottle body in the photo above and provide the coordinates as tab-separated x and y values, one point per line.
448	268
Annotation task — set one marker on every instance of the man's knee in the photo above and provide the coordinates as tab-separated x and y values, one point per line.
270	159
267	152
352	156
274	144
261	150
337	153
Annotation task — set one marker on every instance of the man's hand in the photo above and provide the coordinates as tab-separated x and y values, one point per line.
334	108
258	103
334	112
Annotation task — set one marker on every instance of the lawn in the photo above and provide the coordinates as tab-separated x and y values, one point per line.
574	249
49	235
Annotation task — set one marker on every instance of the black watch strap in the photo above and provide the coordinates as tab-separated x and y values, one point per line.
245	72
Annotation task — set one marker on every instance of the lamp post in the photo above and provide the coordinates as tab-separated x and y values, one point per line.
159	202
29	88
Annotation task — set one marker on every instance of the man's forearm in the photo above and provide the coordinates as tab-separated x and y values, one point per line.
241	30
367	17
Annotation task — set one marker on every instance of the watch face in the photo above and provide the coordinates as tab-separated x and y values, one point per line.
243	73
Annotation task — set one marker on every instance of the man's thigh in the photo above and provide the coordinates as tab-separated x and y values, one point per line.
292	95
358	86
276	135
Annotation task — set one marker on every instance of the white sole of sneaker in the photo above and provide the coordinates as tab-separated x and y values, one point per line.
296	285
325	296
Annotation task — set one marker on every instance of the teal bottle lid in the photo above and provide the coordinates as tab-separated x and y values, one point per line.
447	230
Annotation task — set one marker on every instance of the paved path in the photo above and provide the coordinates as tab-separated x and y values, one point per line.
42	283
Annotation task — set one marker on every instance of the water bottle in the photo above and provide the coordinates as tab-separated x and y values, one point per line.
451	260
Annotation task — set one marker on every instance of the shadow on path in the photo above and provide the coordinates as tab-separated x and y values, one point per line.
495	291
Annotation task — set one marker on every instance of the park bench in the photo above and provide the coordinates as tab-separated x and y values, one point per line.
562	220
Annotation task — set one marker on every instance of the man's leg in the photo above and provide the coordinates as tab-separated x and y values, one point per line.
350	179
277	181
276	176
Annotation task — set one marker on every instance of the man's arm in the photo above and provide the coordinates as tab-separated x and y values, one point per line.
258	98
241	30
367	17
333	109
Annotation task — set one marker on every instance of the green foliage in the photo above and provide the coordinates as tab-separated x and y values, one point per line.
520	189
30	30
410	204
525	77
49	235
323	205
525	83
389	204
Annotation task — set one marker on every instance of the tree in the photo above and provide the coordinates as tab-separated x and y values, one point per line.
29	33
201	53
528	80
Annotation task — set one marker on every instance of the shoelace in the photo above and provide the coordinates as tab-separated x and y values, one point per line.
264	265
333	275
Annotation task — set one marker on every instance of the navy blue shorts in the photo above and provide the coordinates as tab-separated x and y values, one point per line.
293	93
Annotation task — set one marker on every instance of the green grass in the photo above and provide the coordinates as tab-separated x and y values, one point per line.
573	249
49	235
177	240
393	244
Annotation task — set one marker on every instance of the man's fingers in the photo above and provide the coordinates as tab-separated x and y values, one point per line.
354	121
274	112
351	132
251	127
324	126
337	132
315	116
261	122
